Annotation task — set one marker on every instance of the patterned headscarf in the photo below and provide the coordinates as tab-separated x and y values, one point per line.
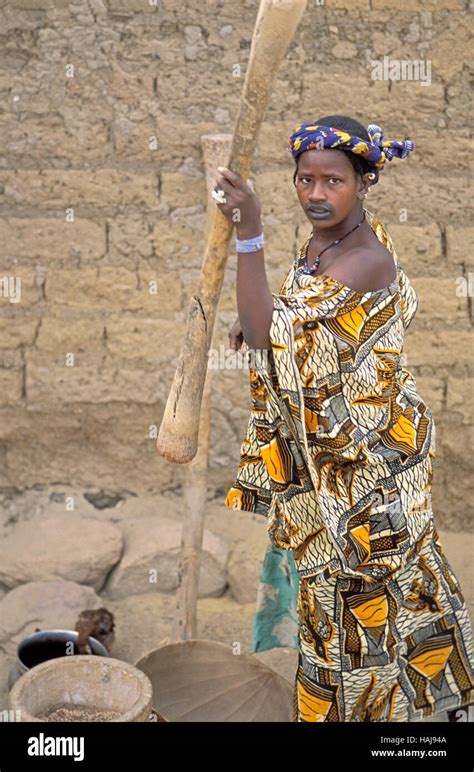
308	136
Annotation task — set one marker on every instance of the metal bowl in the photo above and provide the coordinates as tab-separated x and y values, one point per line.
43	645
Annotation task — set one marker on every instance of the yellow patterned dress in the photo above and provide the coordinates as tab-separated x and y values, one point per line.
338	455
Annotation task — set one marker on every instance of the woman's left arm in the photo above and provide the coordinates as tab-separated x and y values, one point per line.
254	297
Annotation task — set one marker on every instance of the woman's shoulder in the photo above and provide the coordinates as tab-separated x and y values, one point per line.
365	269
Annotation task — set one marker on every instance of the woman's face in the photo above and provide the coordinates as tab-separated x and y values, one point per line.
327	186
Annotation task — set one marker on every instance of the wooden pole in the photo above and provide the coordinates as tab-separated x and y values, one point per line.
216	148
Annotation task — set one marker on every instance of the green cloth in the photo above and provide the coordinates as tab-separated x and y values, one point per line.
275	622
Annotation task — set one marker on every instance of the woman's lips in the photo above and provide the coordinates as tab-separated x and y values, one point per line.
318	215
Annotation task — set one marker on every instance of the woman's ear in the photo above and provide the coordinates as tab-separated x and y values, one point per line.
364	187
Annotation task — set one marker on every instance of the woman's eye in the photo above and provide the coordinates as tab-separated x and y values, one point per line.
302	179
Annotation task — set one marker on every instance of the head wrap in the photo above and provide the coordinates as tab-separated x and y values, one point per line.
308	136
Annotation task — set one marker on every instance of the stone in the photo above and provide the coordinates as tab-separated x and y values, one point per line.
460	398
60	336
52	238
56	188
47	604
11	386
115	289
418	248
151	555
450	349
79	550
244	571
438	301
459	241
344	50
19	331
50	380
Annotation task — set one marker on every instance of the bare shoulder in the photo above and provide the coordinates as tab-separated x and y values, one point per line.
365	270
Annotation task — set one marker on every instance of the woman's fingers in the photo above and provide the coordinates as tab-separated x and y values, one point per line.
237	343
235	179
222	183
236	337
235	340
233	195
232	177
223	190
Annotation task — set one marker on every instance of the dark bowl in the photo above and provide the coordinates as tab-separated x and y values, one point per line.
49	644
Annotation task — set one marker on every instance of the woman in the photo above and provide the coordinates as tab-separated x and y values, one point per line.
339	445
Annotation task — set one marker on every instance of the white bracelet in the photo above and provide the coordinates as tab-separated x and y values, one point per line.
250	245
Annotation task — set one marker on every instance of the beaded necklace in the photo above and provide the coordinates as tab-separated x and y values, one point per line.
303	263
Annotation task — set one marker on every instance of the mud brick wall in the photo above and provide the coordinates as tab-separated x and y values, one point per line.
103	213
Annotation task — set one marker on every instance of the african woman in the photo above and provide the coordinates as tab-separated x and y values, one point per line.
339	445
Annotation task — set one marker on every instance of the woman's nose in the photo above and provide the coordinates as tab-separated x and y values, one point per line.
317	193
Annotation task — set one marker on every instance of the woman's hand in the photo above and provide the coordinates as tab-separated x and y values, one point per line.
241	206
236	338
